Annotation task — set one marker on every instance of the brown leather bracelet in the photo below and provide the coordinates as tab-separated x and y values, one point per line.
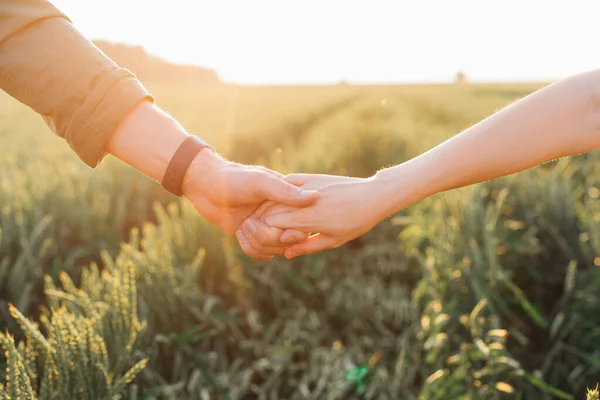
179	164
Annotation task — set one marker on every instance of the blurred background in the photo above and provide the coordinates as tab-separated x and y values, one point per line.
486	292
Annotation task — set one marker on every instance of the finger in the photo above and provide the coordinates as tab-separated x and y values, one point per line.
293	236
316	180
313	244
287	237
249	250
263	213
259	250
299	219
297	179
260	211
271	188
265	238
260	234
266	251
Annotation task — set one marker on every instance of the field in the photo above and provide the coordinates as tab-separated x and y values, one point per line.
112	288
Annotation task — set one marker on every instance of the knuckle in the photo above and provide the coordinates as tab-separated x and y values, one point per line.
289	190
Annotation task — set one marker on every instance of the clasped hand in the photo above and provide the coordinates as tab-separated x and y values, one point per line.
273	215
346	208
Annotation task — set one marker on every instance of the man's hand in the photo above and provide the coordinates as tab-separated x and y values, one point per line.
223	192
226	193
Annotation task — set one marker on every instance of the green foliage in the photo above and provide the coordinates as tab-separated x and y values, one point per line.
89	343
489	292
57	217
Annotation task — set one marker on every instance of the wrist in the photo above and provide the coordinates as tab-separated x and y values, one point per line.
202	169
147	139
402	185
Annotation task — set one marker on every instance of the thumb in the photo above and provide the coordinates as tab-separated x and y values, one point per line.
313	244
280	191
293	236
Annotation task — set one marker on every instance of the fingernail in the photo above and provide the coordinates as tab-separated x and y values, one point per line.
290	254
308	193
289	240
240	236
249	229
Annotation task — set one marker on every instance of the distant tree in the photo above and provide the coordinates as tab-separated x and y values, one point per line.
460	78
148	67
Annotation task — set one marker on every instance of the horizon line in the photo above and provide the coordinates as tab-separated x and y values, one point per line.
398	83
342	81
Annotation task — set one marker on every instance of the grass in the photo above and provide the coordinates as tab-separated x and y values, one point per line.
487	292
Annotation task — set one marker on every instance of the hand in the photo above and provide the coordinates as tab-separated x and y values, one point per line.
346	209
226	193
261	239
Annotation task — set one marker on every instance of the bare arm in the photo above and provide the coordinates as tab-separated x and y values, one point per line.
560	120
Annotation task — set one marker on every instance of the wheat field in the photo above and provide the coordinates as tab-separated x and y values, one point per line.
110	288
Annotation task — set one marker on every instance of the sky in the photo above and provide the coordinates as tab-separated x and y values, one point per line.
359	41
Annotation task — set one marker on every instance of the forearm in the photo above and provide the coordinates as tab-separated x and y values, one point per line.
146	139
560	120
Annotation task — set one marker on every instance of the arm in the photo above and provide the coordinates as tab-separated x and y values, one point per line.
560	120
100	108
223	192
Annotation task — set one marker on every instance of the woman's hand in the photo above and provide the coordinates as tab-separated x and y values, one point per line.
346	209
261	241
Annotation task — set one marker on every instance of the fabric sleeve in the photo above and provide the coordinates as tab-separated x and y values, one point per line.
51	67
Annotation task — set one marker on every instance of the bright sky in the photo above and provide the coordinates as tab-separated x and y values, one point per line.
322	41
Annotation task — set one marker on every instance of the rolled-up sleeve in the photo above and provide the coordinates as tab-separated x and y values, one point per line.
48	65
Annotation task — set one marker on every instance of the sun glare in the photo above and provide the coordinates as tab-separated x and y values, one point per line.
269	41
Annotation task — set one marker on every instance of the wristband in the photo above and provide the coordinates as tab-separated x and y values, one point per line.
180	163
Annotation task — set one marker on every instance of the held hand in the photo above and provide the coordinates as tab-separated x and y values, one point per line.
258	238
226	193
346	209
